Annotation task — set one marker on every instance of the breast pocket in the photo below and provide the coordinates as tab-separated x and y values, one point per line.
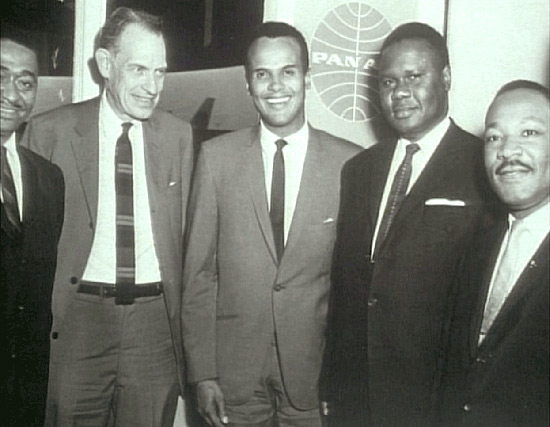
449	219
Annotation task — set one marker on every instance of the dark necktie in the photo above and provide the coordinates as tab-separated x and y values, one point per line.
277	211
125	247
397	195
9	197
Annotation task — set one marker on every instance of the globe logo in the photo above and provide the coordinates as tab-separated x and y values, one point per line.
344	50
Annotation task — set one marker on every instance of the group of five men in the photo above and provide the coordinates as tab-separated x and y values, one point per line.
308	289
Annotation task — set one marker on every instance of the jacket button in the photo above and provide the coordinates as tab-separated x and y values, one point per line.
74	280
467	407
278	288
372	302
54	335
480	359
21	308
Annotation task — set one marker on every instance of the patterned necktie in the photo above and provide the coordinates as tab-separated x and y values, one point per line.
9	196
503	283
277	211
125	247
397	195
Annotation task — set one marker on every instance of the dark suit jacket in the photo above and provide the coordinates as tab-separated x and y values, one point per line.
68	136
28	267
236	293
504	381
387	319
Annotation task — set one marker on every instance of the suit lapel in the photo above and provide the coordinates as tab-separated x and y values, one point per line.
378	177
529	275
85	149
486	257
255	175
436	168
310	182
152	155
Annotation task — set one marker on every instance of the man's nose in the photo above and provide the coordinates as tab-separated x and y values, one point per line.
509	147
401	90
9	90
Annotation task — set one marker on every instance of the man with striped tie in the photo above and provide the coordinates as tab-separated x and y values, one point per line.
116	353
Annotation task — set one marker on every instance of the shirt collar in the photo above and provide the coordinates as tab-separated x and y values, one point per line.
109	119
268	138
537	222
10	144
431	140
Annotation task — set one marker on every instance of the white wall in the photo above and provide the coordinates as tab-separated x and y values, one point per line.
492	42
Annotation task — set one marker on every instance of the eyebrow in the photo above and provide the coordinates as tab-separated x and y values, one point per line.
23	73
525	119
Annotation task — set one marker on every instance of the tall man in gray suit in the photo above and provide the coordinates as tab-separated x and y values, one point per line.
116	348
409	207
261	230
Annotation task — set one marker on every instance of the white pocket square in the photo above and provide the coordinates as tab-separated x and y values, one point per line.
444	202
172	183
328	220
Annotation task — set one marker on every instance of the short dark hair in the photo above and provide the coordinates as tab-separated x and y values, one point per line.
419	31
524	84
272	30
22	36
109	34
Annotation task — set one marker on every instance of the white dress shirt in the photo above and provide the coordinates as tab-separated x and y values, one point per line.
428	144
536	227
101	265
15	166
294	154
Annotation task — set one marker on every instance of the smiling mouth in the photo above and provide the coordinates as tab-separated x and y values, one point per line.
403	112
512	172
278	101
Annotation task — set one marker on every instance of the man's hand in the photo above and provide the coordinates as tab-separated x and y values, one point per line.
211	403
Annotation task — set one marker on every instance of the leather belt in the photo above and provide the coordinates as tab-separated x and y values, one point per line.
108	290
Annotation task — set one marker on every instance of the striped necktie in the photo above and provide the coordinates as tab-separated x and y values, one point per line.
397	195
125	245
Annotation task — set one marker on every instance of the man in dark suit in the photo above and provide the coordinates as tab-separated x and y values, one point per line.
499	369
32	216
261	230
408	208
116	352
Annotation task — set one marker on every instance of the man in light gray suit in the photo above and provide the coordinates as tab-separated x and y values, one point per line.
262	226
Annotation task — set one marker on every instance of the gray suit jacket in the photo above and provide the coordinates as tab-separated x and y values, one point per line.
235	293
68	136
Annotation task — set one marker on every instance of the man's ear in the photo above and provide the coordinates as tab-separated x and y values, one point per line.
307	79
103	59
447	77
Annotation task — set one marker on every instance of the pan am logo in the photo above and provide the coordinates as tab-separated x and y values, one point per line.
344	50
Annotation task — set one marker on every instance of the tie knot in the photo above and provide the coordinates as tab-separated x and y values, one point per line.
126	127
280	143
412	148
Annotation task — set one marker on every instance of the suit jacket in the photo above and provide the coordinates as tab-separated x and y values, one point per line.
236	296
505	380
69	137
387	319
28	267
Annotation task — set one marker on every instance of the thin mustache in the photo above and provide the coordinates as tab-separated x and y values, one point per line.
508	163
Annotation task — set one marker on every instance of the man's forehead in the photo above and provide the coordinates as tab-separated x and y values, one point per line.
18	58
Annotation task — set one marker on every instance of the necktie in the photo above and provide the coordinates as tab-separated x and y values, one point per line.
9	196
277	210
506	269
398	192
125	248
